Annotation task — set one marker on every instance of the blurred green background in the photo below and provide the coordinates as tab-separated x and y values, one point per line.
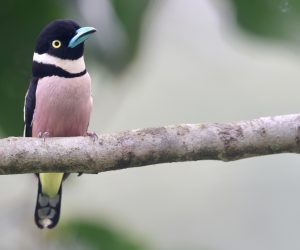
157	63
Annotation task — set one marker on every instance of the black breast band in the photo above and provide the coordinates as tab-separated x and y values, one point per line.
41	70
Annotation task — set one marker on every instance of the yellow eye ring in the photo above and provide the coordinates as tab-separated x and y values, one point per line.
56	44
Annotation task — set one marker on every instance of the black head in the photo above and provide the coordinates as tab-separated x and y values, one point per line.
56	36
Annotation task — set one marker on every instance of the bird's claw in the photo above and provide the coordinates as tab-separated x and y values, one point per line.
44	135
92	135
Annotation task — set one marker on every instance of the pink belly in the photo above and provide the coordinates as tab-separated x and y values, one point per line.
58	124
63	106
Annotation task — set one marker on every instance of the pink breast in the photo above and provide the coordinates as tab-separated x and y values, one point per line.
63	106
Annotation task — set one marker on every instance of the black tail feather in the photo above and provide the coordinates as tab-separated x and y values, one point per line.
47	210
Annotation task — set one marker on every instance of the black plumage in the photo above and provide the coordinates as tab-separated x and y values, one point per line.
62	30
30	106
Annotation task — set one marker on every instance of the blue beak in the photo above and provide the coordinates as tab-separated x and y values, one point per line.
81	35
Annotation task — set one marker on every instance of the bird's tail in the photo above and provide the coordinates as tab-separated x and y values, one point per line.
47	208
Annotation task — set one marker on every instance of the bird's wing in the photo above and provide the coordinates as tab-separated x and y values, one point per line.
29	107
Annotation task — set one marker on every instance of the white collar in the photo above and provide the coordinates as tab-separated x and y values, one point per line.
71	66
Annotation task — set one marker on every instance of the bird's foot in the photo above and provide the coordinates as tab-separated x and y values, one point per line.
44	135
92	135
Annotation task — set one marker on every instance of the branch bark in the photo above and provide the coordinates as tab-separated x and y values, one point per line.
141	147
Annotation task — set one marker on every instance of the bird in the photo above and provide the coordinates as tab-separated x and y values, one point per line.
58	102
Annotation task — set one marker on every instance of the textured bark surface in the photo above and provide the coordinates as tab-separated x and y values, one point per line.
141	147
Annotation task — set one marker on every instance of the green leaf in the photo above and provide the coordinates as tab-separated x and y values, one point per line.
92	236
276	19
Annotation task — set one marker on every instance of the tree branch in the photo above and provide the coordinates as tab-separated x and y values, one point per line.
141	147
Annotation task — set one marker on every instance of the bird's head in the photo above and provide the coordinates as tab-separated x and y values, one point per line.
63	39
59	49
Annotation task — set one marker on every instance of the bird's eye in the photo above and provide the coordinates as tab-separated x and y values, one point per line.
56	44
